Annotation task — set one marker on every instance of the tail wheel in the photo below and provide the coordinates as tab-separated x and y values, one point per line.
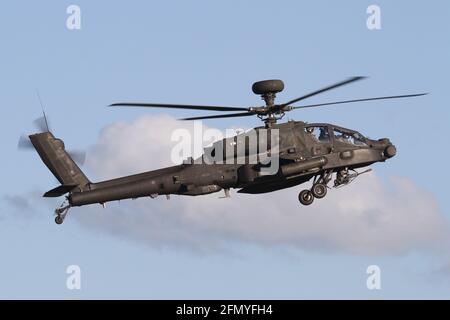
306	197
319	190
59	219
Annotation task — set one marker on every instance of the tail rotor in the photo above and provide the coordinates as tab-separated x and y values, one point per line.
41	124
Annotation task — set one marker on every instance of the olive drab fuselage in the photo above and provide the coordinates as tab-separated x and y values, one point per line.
304	151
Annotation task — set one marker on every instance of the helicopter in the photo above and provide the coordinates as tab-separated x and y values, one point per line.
320	152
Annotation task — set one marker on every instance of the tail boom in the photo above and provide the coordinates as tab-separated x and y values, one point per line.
58	161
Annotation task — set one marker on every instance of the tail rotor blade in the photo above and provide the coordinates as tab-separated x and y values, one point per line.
24	143
41	124
78	156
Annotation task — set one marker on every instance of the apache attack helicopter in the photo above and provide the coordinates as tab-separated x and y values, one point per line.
305	151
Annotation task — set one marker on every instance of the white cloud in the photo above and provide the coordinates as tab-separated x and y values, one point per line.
125	148
370	216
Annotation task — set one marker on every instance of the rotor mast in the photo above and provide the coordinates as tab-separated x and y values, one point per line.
268	90
270	118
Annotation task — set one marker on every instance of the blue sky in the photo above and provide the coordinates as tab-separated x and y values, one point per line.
210	53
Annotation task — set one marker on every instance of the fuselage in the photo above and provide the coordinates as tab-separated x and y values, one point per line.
300	151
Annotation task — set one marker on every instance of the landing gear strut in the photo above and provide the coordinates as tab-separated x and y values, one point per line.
61	213
319	188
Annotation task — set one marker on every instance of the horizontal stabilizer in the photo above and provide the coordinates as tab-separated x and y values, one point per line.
59	191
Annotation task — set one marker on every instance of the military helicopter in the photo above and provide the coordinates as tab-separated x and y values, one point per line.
305	151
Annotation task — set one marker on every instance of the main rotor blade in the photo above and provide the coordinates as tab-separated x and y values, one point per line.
333	86
178	106
230	115
359	100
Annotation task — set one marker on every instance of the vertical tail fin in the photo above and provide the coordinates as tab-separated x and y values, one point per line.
58	161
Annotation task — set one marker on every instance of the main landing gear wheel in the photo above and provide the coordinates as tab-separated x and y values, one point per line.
306	197
319	190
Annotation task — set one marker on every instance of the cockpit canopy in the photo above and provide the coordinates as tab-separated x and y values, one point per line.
324	133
